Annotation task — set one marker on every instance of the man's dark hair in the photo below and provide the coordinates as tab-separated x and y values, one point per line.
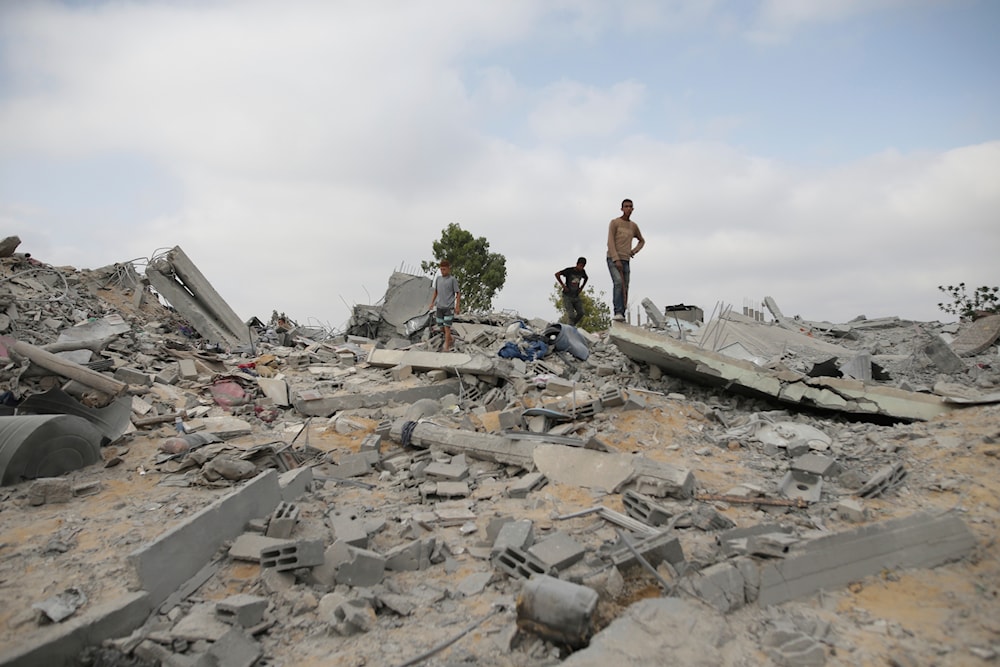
581	260
626	201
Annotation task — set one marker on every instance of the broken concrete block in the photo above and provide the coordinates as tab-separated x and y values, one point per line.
233	649
450	490
400	372
720	585
645	509
474	583
511	420
804	485
851	510
446	471
414	555
662	479
635	401
885	479
295	483
351	465
168	375
242	609
372	443
348	527
656	549
525	484
520	564
293	555
133	376
518	534
558	551
50	490
360	567
942	356
816	464
249	545
771	544
283	520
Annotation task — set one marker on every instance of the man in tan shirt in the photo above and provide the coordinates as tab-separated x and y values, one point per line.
621	231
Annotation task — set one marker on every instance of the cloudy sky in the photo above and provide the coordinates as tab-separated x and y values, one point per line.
841	156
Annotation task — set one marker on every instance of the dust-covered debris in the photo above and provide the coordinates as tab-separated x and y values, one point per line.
507	503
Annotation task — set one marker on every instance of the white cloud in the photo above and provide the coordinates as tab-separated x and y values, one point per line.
316	147
571	110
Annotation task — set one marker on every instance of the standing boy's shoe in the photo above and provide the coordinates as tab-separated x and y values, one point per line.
619	318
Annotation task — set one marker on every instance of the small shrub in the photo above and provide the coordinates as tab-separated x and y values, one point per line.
983	301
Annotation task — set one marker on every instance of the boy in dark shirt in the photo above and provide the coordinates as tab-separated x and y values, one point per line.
573	279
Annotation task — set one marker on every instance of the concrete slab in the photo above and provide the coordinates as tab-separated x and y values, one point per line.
691	362
583	467
328	405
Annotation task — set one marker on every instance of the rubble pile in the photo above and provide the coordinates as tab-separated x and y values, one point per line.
728	493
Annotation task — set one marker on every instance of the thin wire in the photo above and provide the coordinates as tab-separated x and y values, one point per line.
443	645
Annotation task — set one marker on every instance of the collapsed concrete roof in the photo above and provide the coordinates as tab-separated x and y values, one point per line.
853	397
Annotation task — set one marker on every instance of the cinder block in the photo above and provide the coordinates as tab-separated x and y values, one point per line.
351	465
50	490
520	564
655	549
249	545
187	369
293	555
283	520
133	376
400	372
242	609
645	509
169	375
372	443
558	551
437	375
612	397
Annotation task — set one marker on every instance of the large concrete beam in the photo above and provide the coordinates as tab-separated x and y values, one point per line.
834	561
694	363
326	406
419	360
181	283
482	446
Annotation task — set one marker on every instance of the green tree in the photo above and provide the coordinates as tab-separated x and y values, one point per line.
596	312
480	273
983	301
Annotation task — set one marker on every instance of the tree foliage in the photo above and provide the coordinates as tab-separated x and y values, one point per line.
479	272
967	306
596	312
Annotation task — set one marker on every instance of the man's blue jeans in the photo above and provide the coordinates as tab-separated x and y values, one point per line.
619	283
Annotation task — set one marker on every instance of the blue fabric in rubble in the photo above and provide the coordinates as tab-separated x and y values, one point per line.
528	350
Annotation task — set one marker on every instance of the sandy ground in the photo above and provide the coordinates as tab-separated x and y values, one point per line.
947	616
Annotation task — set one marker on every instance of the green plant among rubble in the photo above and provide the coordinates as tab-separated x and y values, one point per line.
480	273
596	312
982	301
